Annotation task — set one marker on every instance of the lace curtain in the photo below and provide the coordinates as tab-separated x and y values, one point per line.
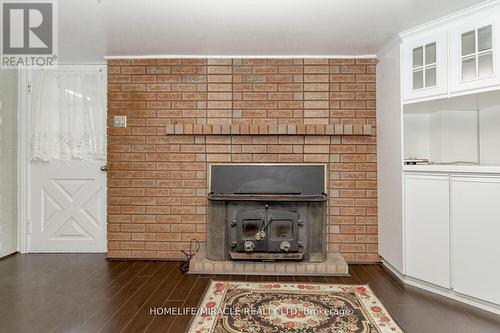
68	116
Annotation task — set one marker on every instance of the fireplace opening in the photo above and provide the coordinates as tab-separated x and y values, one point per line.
267	212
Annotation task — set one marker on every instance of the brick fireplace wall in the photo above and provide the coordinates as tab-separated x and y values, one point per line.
157	183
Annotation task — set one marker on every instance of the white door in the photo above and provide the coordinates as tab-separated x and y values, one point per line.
476	236
427	228
67	199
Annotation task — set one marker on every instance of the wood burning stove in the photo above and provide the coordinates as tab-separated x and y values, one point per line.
267	212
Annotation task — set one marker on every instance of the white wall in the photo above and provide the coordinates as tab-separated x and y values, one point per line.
416	136
389	160
454	136
8	162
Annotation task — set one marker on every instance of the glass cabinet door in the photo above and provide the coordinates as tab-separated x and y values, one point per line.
425	66
424	73
473	56
477	54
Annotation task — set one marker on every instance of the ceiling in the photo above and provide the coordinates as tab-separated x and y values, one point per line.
92	29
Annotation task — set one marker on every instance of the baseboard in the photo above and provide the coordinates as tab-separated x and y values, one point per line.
176	260
483	305
400	276
8	255
360	262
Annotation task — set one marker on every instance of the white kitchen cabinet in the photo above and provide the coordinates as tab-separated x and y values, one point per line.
427	228
475	213
432	237
425	66
474	58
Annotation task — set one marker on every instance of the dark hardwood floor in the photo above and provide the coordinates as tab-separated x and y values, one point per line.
86	293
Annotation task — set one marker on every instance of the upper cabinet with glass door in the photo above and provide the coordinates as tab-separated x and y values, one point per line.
425	67
474	57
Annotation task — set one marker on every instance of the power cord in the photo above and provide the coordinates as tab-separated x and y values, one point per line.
194	247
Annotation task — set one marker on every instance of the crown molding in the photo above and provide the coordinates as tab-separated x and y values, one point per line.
387	46
485	5
201	56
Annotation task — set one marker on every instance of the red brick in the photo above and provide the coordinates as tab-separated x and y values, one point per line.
157	183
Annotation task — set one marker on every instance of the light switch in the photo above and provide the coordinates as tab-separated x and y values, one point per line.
120	121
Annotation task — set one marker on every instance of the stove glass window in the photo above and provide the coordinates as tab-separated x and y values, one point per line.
281	230
250	229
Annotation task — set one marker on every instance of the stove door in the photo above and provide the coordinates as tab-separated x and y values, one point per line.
279	235
282	231
248	225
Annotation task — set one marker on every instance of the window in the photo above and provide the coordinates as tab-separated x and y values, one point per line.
69	116
424	67
477	53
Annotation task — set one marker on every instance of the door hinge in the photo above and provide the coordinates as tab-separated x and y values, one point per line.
29	87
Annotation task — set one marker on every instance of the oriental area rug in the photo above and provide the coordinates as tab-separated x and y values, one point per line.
290	307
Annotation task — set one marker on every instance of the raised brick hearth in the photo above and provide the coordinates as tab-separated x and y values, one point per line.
335	265
259	111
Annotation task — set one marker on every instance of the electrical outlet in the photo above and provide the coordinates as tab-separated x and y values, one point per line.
120	121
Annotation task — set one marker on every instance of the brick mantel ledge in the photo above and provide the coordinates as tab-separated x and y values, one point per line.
214	129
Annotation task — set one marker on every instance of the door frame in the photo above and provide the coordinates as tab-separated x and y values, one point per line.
23	161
